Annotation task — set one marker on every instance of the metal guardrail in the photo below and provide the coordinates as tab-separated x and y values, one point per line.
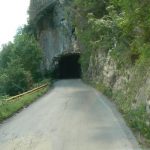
14	98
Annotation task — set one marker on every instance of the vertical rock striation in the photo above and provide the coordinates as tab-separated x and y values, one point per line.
53	22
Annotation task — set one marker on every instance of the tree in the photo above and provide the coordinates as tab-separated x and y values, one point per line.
15	79
20	64
6	54
29	52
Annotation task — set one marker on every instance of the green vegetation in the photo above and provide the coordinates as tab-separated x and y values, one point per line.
20	71
9	108
120	29
20	63
120	26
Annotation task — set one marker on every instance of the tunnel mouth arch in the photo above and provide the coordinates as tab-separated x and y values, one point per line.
68	67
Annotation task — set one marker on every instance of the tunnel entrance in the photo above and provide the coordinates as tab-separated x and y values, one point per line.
69	67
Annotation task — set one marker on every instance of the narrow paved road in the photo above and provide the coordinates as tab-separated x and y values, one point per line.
73	116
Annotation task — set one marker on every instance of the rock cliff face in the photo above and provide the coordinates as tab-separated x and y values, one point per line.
54	29
126	83
56	34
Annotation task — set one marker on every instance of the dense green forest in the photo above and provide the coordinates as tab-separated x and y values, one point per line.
116	33
20	63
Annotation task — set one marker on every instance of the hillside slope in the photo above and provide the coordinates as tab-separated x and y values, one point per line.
114	38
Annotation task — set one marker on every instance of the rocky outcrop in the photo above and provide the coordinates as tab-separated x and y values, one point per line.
54	29
128	81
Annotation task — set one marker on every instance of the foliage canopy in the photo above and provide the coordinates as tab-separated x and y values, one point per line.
19	63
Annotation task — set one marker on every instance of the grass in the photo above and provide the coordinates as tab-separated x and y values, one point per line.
9	108
137	118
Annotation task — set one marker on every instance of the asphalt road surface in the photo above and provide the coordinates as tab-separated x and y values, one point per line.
72	116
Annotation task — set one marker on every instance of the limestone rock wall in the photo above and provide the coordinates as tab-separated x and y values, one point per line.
128	81
54	30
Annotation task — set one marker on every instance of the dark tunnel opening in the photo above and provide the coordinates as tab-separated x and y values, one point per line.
69	67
